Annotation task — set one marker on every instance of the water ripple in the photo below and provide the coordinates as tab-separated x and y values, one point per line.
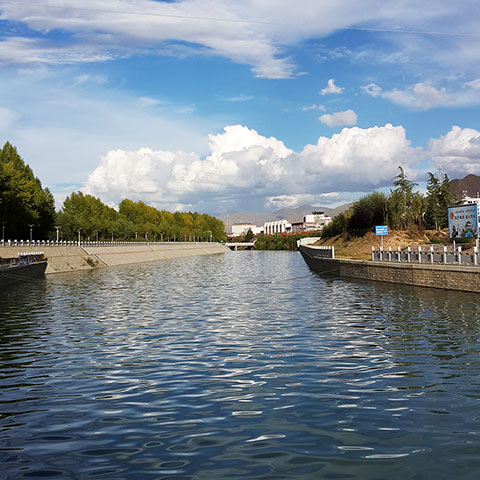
244	365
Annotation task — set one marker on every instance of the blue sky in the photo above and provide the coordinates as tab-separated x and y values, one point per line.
221	106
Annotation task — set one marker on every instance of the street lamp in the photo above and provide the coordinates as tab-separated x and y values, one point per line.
31	228
57	228
79	230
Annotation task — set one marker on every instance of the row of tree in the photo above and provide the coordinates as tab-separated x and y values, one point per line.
133	220
28	209
402	209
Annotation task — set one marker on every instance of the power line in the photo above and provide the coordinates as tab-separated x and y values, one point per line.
237	20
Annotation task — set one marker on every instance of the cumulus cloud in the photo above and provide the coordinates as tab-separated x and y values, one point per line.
247	170
457	152
346	118
331	88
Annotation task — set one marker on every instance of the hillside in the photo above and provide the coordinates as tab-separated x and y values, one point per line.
360	248
470	185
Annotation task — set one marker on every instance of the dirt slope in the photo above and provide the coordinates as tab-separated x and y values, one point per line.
361	247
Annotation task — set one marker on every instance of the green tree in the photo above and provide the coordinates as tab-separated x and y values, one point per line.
438	199
367	212
23	201
405	208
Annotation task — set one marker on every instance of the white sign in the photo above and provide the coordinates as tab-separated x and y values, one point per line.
463	221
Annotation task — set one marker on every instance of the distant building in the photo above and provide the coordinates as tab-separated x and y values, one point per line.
279	226
311	222
476	200
242	228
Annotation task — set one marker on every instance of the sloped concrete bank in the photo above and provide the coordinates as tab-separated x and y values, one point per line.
449	277
86	257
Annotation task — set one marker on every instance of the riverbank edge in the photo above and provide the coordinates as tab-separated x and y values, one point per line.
447	277
62	259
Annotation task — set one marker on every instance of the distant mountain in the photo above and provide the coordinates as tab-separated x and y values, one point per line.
469	186
290	214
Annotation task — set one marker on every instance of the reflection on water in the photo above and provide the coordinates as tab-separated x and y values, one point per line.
243	365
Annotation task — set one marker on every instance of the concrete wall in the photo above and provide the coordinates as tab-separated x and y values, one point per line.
67	259
451	277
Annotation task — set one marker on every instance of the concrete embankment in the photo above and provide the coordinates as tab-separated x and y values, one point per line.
450	277
72	258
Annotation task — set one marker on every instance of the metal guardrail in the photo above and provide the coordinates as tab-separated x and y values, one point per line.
65	243
427	256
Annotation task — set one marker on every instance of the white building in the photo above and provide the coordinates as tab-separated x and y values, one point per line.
242	228
280	226
476	200
315	221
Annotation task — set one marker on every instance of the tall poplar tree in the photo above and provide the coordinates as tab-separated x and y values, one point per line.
23	201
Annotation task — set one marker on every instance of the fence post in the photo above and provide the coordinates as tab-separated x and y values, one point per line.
419	254
459	255
399	254
333	252
409	253
444	255
373	254
475	253
389	254
431	254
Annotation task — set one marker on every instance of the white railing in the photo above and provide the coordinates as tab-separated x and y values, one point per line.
307	241
68	243
427	255
323	251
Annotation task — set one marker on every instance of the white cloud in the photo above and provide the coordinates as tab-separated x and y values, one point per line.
313	107
7	119
457	152
250	32
346	118
247	170
372	89
331	88
425	96
61	125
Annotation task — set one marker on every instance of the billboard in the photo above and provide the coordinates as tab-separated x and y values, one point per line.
463	221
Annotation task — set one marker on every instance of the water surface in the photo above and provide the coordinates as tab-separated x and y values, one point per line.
244	365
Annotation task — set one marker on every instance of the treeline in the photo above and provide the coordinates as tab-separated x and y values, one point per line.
24	204
281	242
133	220
26	207
402	209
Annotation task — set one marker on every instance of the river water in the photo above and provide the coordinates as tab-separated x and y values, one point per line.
237	366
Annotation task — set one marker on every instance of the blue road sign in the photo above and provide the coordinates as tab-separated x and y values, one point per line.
381	230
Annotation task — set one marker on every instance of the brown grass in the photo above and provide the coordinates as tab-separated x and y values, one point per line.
361	247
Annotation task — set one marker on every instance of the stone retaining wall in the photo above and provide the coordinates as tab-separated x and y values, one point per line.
451	277
72	258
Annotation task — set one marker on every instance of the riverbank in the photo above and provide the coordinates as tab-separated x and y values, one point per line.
63	259
448	277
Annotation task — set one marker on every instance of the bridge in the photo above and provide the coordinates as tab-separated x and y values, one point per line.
240	245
